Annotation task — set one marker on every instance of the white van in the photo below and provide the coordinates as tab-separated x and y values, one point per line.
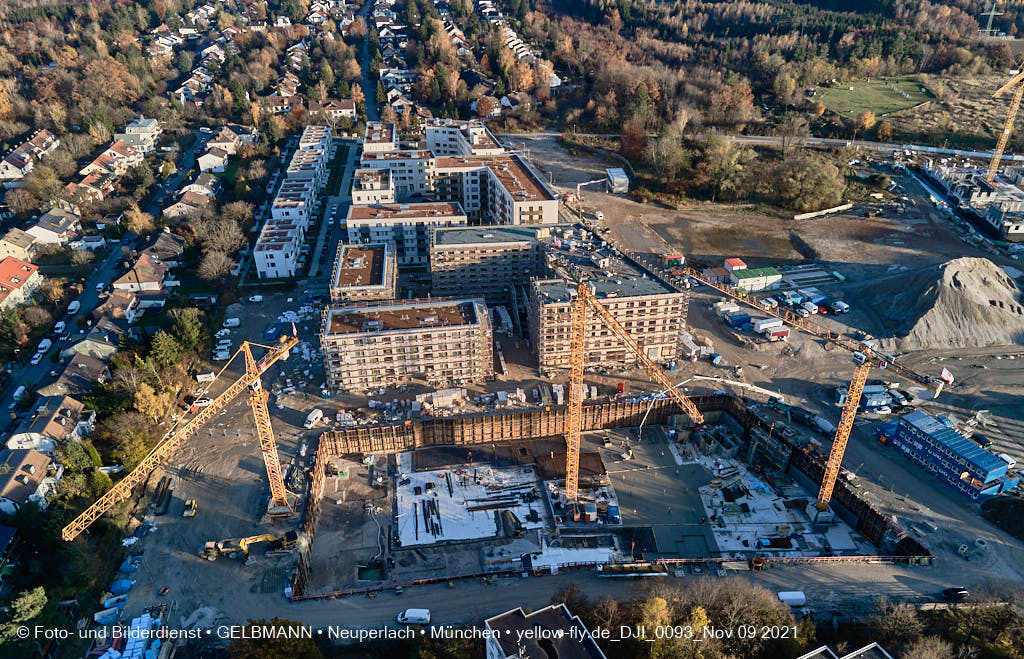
255	299
232	322
313	418
1010	462
811	307
414	617
59	327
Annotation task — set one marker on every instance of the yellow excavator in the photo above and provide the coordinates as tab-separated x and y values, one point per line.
238	548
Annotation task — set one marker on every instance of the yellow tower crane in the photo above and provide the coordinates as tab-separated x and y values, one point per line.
1017	83
175	438
842	436
584	300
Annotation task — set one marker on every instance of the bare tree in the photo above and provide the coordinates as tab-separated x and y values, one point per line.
214	265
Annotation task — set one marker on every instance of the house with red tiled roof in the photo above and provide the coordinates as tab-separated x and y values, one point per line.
18	280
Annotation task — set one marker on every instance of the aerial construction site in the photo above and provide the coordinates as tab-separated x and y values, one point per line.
597	399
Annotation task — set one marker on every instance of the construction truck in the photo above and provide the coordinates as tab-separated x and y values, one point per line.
238	548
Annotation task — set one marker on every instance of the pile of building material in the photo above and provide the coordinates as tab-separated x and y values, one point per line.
964	303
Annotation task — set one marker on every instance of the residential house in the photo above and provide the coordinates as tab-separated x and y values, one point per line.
25	477
148	274
99	343
116	159
205	184
167	247
19	162
18	280
88	243
141	133
119	305
279	104
334	108
55	227
189	204
225	140
214	160
57	419
77	377
19	244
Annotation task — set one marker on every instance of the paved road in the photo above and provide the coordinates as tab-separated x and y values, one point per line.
173	182
369	84
38	375
105	272
771	140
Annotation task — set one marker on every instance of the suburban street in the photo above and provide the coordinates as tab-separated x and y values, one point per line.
369	85
39	374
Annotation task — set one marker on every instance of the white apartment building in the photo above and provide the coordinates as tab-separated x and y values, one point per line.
295	201
380	137
496	189
451	137
276	254
404	227
372	186
412	172
315	137
279	246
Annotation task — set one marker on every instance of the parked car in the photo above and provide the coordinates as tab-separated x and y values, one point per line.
823	310
981	440
956	594
38	357
202	402
256	298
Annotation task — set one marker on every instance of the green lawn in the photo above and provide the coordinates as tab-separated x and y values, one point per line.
880	95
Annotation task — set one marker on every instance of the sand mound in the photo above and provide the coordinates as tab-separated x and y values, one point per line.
964	303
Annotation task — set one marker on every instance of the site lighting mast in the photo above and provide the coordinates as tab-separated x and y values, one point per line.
175	438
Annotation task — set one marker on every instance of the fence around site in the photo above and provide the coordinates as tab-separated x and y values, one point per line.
514	425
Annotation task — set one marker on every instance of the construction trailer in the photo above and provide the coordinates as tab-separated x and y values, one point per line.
951	457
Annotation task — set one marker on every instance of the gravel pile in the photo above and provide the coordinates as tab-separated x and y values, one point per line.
963	303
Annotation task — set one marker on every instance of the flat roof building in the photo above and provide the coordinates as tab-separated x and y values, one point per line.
493	262
444	343
380	136
549	632
363	273
372	186
948	455
452	137
649	309
406	227
496	189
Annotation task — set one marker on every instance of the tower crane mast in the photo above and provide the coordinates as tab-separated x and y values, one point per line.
174	439
1017	84
585	301
842	436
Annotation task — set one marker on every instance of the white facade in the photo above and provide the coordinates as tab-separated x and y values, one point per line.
405	228
372	186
